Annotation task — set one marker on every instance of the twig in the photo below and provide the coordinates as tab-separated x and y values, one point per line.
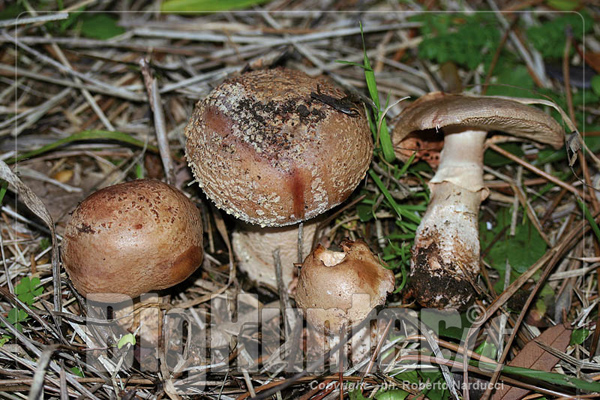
549	260
537	72
123	92
86	94
159	121
501	45
534	169
31	20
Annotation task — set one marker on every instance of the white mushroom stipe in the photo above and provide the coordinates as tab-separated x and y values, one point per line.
446	249
254	246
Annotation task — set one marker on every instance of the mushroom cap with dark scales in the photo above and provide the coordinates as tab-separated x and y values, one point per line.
132	238
267	148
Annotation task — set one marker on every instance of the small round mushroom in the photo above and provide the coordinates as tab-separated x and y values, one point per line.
274	148
132	238
328	283
445	256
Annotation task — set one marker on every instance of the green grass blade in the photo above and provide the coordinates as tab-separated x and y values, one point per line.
385	139
82	136
399	210
207	5
549	377
3	188
407	164
590	219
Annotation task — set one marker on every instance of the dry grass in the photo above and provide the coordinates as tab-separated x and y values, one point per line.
55	83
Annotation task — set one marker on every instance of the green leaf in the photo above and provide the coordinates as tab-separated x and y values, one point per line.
460	38
365	212
67	23
96	134
125	340
180	6
436	388
4	339
449	324
77	371
12	11
45	243
385	139
494	159
521	250
100	26
395	394
27	290
487	349
578	336
590	219
548	377
514	81
139	170
549	38
357	395
26	298
402	212
15	316
564	5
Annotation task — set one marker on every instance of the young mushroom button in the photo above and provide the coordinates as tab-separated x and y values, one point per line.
340	289
445	256
132	238
329	279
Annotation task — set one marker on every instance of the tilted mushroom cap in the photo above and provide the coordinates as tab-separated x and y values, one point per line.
132	238
266	147
434	111
329	279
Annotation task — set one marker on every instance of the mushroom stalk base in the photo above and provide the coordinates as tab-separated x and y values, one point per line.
445	256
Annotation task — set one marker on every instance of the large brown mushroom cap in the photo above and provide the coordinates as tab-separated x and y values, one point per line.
132	238
264	147
416	126
328	280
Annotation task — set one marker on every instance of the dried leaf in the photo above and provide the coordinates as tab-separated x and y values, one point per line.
534	357
593	60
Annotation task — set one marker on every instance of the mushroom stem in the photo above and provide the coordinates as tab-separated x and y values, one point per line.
254	248
445	258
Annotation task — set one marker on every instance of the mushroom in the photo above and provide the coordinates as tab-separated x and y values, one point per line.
132	238
338	290
445	256
274	148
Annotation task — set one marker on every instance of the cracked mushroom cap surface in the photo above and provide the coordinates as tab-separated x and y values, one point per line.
132	238
276	147
417	127
329	279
